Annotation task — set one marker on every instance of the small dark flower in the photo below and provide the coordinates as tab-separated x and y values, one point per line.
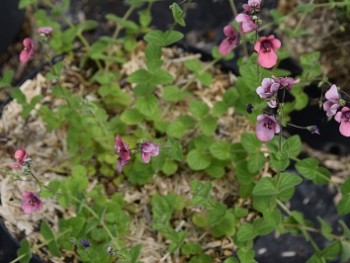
85	243
313	129
250	108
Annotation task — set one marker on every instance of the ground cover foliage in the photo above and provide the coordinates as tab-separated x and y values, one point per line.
129	149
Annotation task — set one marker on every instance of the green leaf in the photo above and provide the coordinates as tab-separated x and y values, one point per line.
140	173
345	188
288	181
169	167
176	129
191	248
220	108
153	56
231	260
226	226
200	191
331	251
46	232
146	77
198	109
178	14
24	251
54	185
174	149
131	117
6	79
279	160
121	22
256	162
25	3
250	142
221	150
18	95
345	251
208	125
173	93
198	160
343	207
265	187
216	170
246	232
205	78
309	168
86	25
204	258
163	38
294	145
326	229
147	105
246	255
145	17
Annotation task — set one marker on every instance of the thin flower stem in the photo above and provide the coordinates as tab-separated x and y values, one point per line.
233	7
297	126
303	230
116	34
301	20
314	230
235	13
281	120
102	223
41	245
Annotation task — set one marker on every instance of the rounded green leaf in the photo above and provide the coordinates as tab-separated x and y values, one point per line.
198	160
221	150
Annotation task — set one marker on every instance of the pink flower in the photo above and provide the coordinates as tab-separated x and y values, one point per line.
266	48
149	149
246	23
268	88
31	203
20	157
332	104
343	117
122	149
287	82
267	127
252	6
230	41
28	50
45	31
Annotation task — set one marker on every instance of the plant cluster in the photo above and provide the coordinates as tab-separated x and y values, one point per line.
134	116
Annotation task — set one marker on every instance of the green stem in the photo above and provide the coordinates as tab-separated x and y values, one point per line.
303	230
301	20
102	223
314	230
41	245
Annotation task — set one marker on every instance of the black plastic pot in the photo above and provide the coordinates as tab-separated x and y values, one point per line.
11	20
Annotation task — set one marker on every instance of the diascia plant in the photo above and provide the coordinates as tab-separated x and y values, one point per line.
124	134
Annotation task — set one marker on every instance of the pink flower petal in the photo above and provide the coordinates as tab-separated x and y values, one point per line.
332	94
146	157
262	133
344	128
225	47
229	30
268	59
